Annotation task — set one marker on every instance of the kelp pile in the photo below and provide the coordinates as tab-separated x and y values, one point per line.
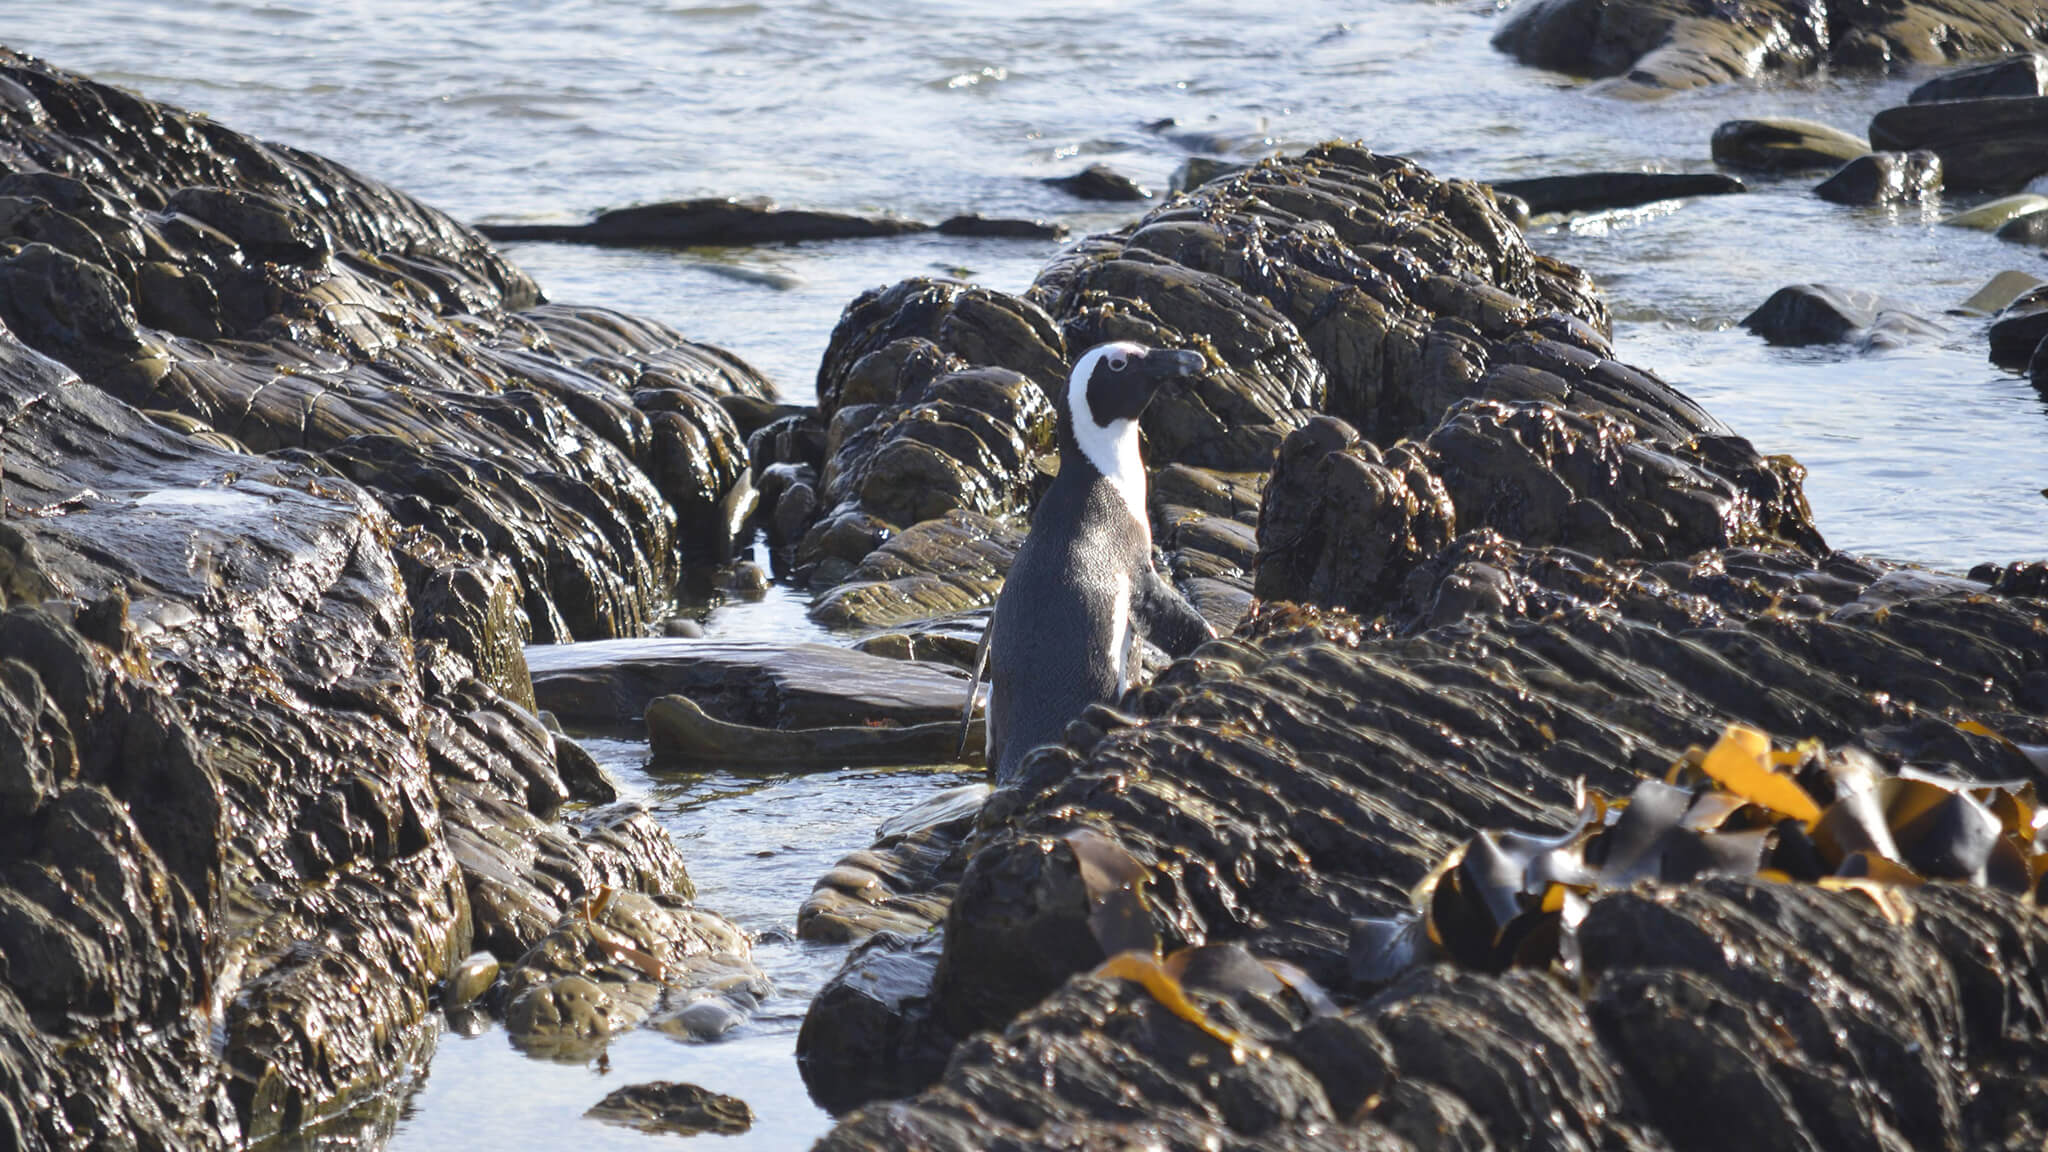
1806	814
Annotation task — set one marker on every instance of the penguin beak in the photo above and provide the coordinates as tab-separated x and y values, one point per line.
1166	364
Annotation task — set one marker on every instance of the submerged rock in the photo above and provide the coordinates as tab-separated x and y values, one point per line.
1994	145
1804	314
661	1106
712	221
1884	178
620	959
1784	145
1590	191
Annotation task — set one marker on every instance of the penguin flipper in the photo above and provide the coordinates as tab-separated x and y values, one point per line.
1166	617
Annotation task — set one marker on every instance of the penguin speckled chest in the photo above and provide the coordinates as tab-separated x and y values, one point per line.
1060	637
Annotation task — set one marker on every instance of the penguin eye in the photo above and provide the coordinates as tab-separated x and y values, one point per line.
1117	362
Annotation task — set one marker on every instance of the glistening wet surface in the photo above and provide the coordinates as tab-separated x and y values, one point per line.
516	110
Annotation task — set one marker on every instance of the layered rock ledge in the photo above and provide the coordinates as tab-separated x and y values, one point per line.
291	468
1514	566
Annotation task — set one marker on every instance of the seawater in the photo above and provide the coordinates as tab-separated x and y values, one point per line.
529	110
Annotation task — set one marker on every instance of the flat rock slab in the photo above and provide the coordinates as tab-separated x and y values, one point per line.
767	685
708	222
1593	191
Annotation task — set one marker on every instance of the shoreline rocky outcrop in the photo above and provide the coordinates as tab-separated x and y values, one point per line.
1516	567
285	493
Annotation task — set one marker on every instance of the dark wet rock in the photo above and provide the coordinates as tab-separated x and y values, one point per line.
1994	145
938	568
663	1107
1884	178
1123	1058
682	628
764	684
1784	145
1331	763
1822	314
621	959
1663	46
470	980
1196	171
870	1032
2025	75
2037	366
1592	191
975	224
902	883
709	222
2029	228
584	447
1347	525
682	734
1101	182
2018	329
921	420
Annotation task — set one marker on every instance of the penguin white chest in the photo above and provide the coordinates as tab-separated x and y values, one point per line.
1120	634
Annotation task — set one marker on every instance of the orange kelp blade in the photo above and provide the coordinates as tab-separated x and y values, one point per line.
1145	970
1741	762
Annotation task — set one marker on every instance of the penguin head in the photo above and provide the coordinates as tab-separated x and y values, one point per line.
1110	386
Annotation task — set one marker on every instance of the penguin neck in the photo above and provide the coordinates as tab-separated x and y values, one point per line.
1110	454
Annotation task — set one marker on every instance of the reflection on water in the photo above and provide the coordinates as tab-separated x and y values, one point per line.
755	843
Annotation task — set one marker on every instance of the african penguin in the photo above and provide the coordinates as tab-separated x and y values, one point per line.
1060	638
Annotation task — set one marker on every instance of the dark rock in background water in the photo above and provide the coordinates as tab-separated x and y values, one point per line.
1101	182
1803	314
2029	228
975	224
1661	46
1589	191
1784	145
2025	75
1993	145
1884	178
712	221
2019	328
663	1107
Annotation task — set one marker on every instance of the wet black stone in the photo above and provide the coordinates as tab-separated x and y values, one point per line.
975	224
1989	145
1591	191
1804	314
1101	182
708	222
1884	178
2025	75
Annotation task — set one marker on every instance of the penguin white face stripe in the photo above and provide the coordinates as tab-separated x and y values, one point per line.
1112	449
